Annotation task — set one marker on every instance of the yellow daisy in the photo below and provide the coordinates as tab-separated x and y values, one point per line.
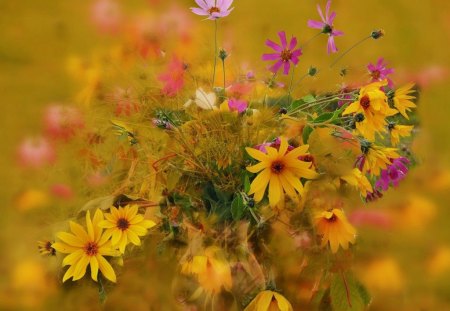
398	131
375	158
281	170
335	229
125	225
46	248
402	99
371	110
358	180
269	301
86	248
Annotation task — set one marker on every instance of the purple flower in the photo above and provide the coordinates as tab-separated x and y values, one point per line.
379	72
326	25
393	174
237	105
285	54
214	9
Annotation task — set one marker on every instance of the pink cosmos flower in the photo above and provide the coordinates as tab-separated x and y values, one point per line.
285	54
326	25
173	77
36	153
106	15
380	72
237	105
62	122
214	9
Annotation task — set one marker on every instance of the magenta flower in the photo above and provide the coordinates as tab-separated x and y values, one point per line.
237	105
285	54
326	25
379	71
393	174
214	9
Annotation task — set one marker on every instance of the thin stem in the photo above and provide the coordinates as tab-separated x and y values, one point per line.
310	39
223	68
297	84
290	85
348	50
215	52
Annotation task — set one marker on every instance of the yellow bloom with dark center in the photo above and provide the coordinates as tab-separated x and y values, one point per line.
46	248
280	170
377	158
211	269
372	103
358	180
125	225
86	248
335	229
402	99
269	301
398	131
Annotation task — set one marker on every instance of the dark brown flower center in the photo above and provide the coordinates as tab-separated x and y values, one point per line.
123	224
365	102
333	218
286	55
376	74
214	9
91	249
277	167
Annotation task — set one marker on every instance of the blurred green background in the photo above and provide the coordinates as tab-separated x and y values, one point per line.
38	37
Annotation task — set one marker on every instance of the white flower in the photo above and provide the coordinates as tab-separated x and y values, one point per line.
204	100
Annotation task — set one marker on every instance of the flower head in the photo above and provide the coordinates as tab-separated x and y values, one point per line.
214	9
375	158
358	180
86	248
281	170
335	229
125	225
326	25
379	71
173	77
393	174
284	55
269	301
46	248
402	99
203	100
398	131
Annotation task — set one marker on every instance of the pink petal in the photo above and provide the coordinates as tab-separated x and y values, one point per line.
371	67
274	46
316	24
331	18
331	45
297	53
282	36
320	13
337	33
276	66
293	43
287	66
199	11
272	56
327	9
202	4
380	62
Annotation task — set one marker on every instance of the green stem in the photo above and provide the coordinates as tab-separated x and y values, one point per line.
309	40
348	50
215	52
223	67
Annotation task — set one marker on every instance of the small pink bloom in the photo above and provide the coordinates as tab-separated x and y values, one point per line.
214	9
106	15
36	153
62	191
173	77
237	105
380	72
363	217
284	55
326	25
62	122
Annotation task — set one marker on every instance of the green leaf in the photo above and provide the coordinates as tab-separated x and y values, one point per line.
306	132
101	290
237	207
347	294
302	101
246	183
324	117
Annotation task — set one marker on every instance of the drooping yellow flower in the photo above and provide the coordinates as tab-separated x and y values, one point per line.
86	248
375	158
402	99
371	110
125	225
335	229
211	269
358	180
269	301
281	170
46	248
398	131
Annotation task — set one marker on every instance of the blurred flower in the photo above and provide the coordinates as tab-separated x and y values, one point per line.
237	105
125	225
358	180
204	100
326	25
173	78
393	174
402	99
62	122
31	199
86	248
415	212
62	191
269	301
380	72
439	263
214	9
398	131
373	108
211	269
280	170
375	158
36	153
335	229
383	275
46	248
126	105
285	55
365	217
106	15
